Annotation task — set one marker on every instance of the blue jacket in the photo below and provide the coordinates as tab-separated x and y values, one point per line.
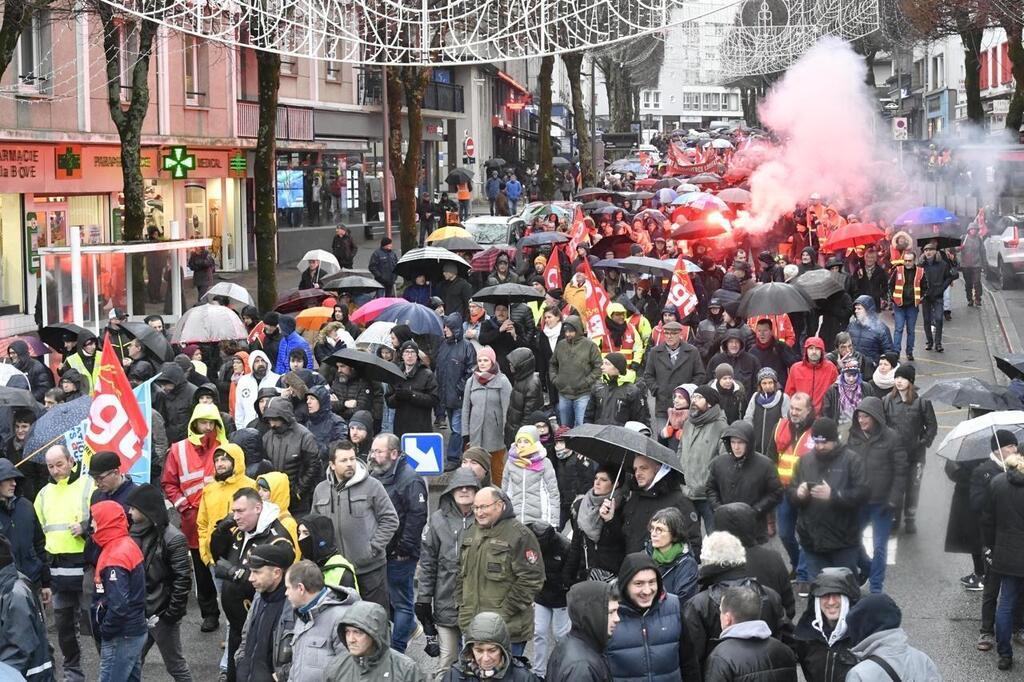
20	525
681	577
456	360
325	425
291	339
493	187
646	645
408	493
514	189
415	293
872	338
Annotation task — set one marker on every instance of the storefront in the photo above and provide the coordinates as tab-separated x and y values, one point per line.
45	188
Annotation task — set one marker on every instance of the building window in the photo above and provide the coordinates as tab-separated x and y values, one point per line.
289	66
333	71
196	67
128	55
938	72
650	99
33	55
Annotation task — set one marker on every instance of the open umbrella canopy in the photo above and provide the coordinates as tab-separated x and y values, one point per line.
230	290
706	179
972	392
448	232
369	310
651	214
774	298
666	183
328	263
852	235
592	206
636	196
617	445
496	162
36	347
152	340
618	244
429	261
295	300
687	198
508	293
647	266
819	284
370	366
53	424
708	202
926	215
539	238
17	397
485	260
587	192
1011	365
721	143
311	319
691	267
53	335
607	264
420	318
945	235
208	323
352	283
458	176
972	439
377	334
454	244
735	195
666	195
699	229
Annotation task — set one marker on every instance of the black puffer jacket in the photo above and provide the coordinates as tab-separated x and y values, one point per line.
40	380
414	399
351	388
166	557
554	548
828	525
293	451
748	652
744	365
639	505
617	400
820	661
176	404
881	449
914	422
753	478
251	442
580	656
764	563
408	493
1003	523
527	394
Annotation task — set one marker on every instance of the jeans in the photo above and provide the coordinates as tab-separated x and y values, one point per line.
880	518
550	626
491	201
816	562
513	206
785	518
449	640
1010	590
972	284
707	514
905	316
932	313
167	637
400	594
121	659
571	411
463	209
387	424
455	439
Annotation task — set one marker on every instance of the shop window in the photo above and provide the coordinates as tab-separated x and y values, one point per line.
196	70
33	56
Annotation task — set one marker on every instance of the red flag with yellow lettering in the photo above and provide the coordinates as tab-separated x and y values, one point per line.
116	422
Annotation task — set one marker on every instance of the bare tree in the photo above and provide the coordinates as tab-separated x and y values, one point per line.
406	86
574	68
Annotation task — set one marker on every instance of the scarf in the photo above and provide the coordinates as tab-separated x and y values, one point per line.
552	334
534	462
476	316
849	398
616	331
768	400
589	518
669	554
484	377
884	381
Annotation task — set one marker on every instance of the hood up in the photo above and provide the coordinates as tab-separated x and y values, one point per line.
522	363
280	408
740	519
237	456
372	619
110	520
815	342
453	323
588	612
873	407
280	489
149	500
868	303
320	545
631	565
206	411
489	628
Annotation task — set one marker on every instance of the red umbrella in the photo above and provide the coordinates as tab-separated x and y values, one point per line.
369	311
36	348
484	261
299	299
853	235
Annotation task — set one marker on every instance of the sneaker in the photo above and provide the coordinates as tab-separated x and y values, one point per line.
986	641
803	589
939	348
972	583
210	624
910	357
928	346
948	315
1005	662
910	527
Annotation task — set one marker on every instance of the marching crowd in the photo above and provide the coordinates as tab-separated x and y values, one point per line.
281	494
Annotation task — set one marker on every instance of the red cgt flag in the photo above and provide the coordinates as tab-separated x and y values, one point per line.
680	290
553	271
116	422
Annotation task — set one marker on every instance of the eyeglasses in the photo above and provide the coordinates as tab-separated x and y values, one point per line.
658	530
481	507
99	477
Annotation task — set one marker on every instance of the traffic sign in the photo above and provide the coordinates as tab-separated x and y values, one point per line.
470	147
899	128
425	452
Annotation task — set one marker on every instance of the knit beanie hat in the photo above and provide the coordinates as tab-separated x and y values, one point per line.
825	429
767	373
1002	438
618	361
892	358
907	372
723	370
709	394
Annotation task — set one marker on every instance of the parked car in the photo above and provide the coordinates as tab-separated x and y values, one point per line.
495	230
1004	253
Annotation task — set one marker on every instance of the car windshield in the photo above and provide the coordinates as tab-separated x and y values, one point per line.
489	233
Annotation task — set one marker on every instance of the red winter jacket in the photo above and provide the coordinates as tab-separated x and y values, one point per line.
812	379
119	604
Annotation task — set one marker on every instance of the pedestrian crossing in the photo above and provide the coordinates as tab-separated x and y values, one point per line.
890	549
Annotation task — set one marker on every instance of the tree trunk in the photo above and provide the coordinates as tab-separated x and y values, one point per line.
268	79
620	100
406	85
971	38
546	171
17	15
574	66
1015	116
869	61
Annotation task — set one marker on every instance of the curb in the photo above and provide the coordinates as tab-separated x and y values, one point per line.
996	308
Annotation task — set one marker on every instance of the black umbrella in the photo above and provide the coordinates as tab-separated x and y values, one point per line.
592	206
459	175
946	235
774	298
428	261
647	266
299	299
618	244
53	335
819	284
369	366
508	293
152	340
561	162
1011	365
972	392
458	244
666	183
496	162
591	192
540	238
613	445
726	295
17	397
354	283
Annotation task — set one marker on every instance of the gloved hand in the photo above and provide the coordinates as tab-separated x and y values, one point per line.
425	615
432	648
225	570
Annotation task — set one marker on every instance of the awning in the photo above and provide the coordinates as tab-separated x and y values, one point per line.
516	85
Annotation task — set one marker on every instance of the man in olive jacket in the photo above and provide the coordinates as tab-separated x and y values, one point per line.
500	568
575	368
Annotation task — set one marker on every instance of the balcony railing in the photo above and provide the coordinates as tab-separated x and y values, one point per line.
443	97
293	123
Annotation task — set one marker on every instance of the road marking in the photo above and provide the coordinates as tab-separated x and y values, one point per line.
958	371
890	547
946	364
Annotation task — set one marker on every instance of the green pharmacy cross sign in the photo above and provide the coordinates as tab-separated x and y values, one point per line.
69	161
237	163
179	162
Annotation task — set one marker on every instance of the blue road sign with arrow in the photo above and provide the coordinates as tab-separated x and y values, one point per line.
424	451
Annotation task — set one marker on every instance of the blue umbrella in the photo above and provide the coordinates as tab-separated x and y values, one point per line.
420	318
926	215
666	196
53	424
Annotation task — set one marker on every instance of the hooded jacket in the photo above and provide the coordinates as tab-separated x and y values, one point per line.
828	525
119	603
527	393
580	656
280	495
189	467
488	628
23	641
874	627
292	450
251	442
752	478
532	489
290	339
167	564
1002	523
247	388
824	651
438	568
576	363
260	424
485	409
384	663
19	524
454	364
500	570
364	517
40	380
883	454
554	549
215	503
871	338
639	505
647	643
320	547
86	366
176	404
408	493
913	422
324	424
617	400
744	365
747	651
699	443
812	379
312	635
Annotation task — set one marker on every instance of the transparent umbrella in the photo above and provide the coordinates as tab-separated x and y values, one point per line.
972	439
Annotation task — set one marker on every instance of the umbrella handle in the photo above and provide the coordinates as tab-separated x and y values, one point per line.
996	436
615	485
40	449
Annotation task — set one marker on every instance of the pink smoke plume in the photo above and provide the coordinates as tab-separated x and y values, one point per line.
824	116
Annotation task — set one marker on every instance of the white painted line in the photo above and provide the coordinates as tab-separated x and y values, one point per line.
890	548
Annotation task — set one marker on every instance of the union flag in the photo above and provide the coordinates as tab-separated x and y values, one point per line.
116	422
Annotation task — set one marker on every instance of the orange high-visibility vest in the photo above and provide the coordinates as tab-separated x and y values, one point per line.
900	283
791	452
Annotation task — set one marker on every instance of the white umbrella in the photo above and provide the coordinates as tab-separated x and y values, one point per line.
235	292
721	144
377	334
328	263
970	440
208	323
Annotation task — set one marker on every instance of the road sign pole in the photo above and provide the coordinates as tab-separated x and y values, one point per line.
386	182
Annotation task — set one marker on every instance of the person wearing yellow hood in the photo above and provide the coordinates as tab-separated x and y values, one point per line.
229	477
189	467
274	487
